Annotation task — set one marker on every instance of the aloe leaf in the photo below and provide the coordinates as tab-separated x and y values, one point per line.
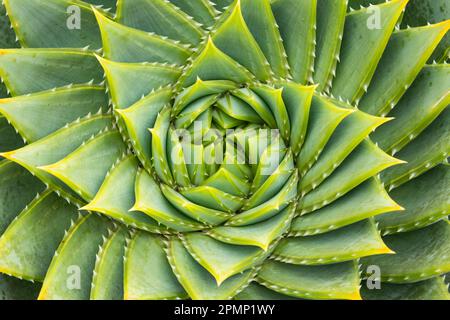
201	214
432	289
323	120
125	44
198	90
177	158
258	292
362	47
269	208
365	161
85	169
258	105
213	198
39	114
148	275
190	114
420	12
15	289
212	64
336	281
222	4
20	68
260	234
272	185
227	181
348	243
429	103
238	109
425	200
295	95
261	22
141	116
107	278
57	146
420	255
159	146
202	11
232	35
404	57
116	202
106	4
347	136
129	82
197	281
9	139
330	28
76	256
28	245
297	23
222	260
366	200
17	188
160	17
151	201
434	146
49	25
8	37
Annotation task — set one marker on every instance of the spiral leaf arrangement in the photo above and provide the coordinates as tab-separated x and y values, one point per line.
247	149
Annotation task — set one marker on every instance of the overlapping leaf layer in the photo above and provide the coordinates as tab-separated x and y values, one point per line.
246	149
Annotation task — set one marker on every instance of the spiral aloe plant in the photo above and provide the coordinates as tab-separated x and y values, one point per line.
246	149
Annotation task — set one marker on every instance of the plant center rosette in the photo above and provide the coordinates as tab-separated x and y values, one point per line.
238	153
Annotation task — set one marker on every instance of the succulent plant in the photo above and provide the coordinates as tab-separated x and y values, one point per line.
246	149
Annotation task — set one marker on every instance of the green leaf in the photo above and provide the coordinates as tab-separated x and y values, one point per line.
419	107
420	255
425	152
269	208
116	202
324	118
17	188
365	161
107	278
148	275
421	12
330	28
151	201
261	22
362	47
14	289
336	281
56	147
141	116
69	276
197	281
232	35
347	136
433	289
9	139
222	260
366	200
129	82
425	200
28	245
20	68
202	11
227	181
260	234
352	242
257	104
37	115
404	57
124	44
53	24
297	23
213	198
258	292
160	17
213	64
85	169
